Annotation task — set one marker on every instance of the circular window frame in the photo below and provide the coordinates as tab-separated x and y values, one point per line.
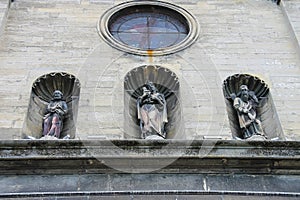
103	29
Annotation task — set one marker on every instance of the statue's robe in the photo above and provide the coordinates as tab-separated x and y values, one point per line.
53	120
152	116
247	118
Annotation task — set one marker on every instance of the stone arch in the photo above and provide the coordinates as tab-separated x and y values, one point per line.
266	110
167	83
41	94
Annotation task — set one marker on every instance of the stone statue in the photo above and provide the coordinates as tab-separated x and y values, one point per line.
53	119
245	102
152	113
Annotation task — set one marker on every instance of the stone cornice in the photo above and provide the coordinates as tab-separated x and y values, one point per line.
165	156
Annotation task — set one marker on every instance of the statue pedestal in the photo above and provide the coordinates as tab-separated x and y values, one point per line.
154	137
48	137
256	138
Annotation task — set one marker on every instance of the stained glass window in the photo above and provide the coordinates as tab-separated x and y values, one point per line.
148	27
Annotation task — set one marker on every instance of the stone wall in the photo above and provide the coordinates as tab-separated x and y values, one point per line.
237	36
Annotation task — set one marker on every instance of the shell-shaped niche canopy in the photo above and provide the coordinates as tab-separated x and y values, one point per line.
167	83
41	94
266	111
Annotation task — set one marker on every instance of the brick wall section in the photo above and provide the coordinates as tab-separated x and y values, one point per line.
237	36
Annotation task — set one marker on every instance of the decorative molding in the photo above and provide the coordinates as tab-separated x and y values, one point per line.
199	156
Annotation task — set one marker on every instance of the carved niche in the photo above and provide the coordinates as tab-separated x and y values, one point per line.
166	83
265	108
41	94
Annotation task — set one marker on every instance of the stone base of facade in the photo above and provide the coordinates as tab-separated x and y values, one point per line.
143	169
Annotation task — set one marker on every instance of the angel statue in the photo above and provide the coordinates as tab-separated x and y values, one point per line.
152	113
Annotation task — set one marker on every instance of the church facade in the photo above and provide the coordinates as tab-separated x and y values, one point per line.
103	55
